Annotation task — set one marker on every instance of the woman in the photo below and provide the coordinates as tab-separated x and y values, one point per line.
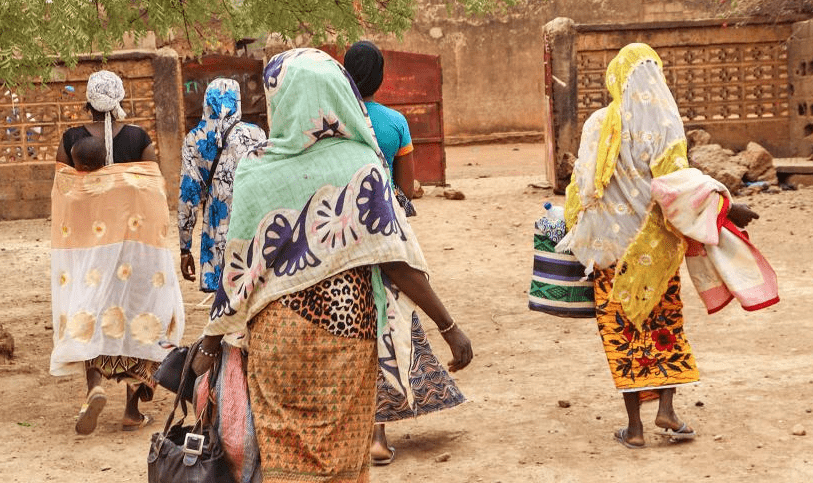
115	294
105	91
431	384
313	232
221	136
365	64
634	208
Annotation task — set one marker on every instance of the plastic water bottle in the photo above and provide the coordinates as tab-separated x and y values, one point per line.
555	213
552	225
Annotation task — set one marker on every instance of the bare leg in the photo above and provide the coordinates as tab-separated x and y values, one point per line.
95	402
667	418
379	451
635	428
94	378
131	413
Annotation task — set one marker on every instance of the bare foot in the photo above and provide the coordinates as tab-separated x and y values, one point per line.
625	437
671	421
380	452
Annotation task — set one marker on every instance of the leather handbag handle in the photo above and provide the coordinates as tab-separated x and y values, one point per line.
187	366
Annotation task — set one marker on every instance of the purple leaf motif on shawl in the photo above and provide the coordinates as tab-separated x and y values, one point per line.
375	206
286	249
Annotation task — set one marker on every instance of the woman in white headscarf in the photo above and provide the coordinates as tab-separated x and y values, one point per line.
124	142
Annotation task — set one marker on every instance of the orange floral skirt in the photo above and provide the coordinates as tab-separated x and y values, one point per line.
656	357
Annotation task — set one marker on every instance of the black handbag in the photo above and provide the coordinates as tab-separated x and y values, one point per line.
168	374
192	453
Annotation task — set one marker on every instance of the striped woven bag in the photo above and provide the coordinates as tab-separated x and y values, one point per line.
557	287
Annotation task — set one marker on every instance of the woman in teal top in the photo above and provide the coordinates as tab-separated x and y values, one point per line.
431	385
365	63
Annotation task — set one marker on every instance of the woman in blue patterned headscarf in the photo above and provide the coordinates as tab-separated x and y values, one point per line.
219	131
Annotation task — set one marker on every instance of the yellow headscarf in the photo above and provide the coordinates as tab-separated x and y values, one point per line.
616	81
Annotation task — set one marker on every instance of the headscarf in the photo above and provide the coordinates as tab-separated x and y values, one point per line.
637	137
221	108
313	201
105	91
365	63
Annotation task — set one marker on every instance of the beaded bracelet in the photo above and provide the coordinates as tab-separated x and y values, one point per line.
447	329
207	354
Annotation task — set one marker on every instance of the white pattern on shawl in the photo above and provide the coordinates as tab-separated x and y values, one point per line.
650	124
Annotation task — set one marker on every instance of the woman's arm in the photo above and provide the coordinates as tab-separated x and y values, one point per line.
404	171
415	285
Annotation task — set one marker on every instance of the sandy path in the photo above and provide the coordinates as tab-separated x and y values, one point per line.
756	373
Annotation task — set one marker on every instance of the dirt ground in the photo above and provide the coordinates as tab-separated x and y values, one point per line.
757	381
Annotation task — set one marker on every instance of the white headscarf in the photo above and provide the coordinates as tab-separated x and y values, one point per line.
105	91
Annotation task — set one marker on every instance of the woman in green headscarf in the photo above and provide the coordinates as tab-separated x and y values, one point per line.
321	271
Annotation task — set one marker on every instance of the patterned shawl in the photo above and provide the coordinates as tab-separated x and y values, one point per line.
313	201
113	284
609	208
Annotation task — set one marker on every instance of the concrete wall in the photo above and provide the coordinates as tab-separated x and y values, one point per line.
493	65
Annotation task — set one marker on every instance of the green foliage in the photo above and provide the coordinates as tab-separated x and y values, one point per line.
36	34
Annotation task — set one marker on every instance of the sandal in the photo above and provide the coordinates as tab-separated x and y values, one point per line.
146	420
621	437
683	433
89	412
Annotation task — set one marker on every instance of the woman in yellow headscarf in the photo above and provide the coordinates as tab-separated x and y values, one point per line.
633	208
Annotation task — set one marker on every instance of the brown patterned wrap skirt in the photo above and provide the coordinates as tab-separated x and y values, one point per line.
312	368
656	357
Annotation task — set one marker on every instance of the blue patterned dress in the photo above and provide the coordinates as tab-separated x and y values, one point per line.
221	111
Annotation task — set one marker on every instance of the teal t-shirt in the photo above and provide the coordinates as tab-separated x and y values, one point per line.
391	131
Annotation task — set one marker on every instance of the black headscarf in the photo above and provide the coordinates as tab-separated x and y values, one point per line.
365	64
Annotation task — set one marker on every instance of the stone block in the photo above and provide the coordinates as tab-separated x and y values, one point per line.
800	179
9	193
35	189
673	7
43	171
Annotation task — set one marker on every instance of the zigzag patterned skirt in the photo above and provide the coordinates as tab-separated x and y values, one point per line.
313	391
433	387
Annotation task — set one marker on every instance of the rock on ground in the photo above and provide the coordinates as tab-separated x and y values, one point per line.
6	345
717	162
697	137
759	164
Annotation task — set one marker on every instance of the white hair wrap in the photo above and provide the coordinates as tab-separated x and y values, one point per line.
105	91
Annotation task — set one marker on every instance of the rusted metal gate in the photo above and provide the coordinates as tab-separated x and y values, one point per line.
246	71
413	86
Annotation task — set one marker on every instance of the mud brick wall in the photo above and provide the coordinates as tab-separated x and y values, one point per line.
32	122
800	74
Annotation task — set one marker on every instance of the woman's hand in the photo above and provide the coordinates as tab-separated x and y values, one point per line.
188	266
460	346
741	215
206	353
